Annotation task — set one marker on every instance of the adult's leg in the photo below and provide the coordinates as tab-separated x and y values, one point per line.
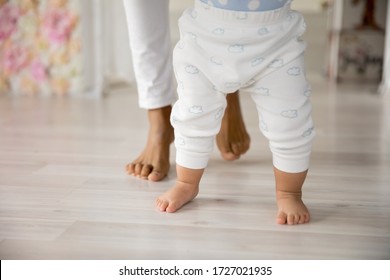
150	43
233	140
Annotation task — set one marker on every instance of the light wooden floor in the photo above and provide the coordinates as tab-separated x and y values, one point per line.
64	193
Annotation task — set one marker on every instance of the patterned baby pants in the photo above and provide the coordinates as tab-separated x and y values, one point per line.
258	53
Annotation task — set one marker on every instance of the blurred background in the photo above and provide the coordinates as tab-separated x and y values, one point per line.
70	122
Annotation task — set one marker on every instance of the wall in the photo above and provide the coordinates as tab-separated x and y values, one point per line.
63	47
107	59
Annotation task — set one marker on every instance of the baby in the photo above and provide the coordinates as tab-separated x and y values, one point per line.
254	46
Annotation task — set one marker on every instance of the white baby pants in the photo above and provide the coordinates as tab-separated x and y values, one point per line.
261	53
151	47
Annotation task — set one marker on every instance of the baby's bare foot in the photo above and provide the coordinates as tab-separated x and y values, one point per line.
176	197
292	210
185	190
233	139
153	163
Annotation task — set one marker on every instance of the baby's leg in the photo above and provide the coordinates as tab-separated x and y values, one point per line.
185	190
291	209
285	119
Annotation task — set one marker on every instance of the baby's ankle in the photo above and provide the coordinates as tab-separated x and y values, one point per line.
280	194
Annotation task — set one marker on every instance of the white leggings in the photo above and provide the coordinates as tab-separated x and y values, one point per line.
261	53
150	44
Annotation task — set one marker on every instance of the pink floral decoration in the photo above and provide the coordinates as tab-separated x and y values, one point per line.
38	71
9	15
14	59
58	25
44	62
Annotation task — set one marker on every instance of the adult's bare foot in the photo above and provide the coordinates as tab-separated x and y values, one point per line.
233	140
153	162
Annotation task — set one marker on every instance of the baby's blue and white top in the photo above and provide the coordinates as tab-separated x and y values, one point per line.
247	5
